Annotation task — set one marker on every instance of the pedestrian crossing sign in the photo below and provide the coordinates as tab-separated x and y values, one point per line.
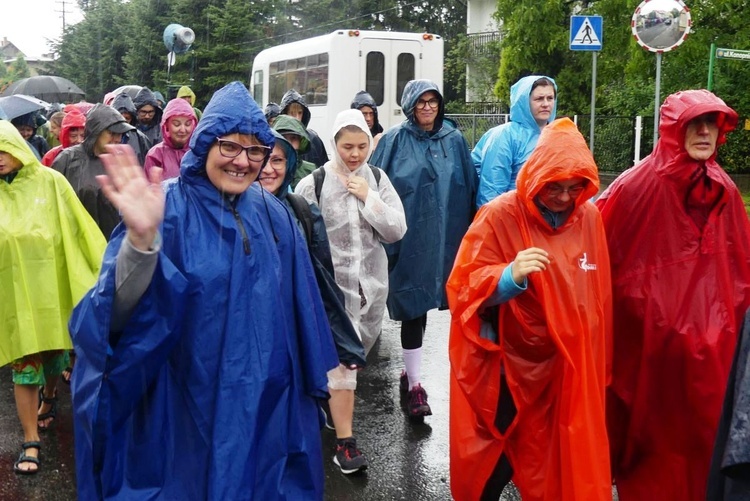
586	32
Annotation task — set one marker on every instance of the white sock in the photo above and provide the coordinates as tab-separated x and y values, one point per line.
413	363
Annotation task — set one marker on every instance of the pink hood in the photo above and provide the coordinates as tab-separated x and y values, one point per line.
176	108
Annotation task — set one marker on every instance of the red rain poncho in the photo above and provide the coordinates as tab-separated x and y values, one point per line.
680	292
553	341
73	119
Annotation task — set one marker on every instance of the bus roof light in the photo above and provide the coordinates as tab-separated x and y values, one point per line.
427	36
353	33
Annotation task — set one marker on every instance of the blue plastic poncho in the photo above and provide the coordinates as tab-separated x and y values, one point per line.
433	174
502	150
209	390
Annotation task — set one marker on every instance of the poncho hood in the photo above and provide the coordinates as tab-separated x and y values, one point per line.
231	110
176	108
520	104
122	102
292	96
344	119
363	98
100	118
184	92
14	144
291	164
675	114
146	96
71	121
288	124
412	92
550	163
28	120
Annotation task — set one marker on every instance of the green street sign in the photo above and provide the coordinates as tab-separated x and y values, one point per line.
733	54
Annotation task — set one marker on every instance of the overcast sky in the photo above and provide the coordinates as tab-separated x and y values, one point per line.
29	23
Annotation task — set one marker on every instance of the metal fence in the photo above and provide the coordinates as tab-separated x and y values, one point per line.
474	126
614	136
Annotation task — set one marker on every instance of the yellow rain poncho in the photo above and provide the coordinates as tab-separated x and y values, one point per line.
50	254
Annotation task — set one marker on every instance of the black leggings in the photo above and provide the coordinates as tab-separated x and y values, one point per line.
412	332
503	472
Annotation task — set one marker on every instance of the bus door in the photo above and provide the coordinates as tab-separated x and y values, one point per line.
387	65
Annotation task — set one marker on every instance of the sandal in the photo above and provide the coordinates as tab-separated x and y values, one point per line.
23	458
51	413
67	375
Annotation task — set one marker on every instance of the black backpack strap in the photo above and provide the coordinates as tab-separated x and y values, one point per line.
304	214
376	172
319	176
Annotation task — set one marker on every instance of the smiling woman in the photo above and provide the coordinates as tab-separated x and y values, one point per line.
201	302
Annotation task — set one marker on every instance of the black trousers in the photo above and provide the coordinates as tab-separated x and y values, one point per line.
412	332
503	472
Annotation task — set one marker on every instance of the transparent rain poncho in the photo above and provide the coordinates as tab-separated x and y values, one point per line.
357	230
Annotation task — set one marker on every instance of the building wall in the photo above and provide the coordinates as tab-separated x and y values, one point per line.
479	16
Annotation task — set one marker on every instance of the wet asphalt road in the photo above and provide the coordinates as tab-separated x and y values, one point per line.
407	462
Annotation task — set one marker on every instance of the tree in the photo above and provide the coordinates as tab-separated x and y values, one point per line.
91	52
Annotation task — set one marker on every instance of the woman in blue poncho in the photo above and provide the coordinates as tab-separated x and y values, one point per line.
204	344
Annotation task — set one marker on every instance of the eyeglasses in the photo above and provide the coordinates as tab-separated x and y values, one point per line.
277	163
555	190
708	119
144	113
230	149
432	103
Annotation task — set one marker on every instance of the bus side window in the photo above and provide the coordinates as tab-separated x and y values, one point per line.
317	79
258	86
277	81
375	76
404	73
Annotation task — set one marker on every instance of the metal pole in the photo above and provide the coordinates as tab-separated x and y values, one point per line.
593	101
657	100
711	59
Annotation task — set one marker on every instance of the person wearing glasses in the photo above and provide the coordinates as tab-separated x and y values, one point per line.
427	160
678	236
530	342
148	112
502	150
204	346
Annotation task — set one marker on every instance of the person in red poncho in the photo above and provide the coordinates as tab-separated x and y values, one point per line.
71	134
678	237
530	298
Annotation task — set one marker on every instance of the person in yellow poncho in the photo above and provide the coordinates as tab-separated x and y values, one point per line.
50	254
188	95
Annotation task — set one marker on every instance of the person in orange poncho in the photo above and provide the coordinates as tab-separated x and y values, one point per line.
531	305
678	237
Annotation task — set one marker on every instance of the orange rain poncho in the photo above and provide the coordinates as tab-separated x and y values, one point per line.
553	343
680	294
